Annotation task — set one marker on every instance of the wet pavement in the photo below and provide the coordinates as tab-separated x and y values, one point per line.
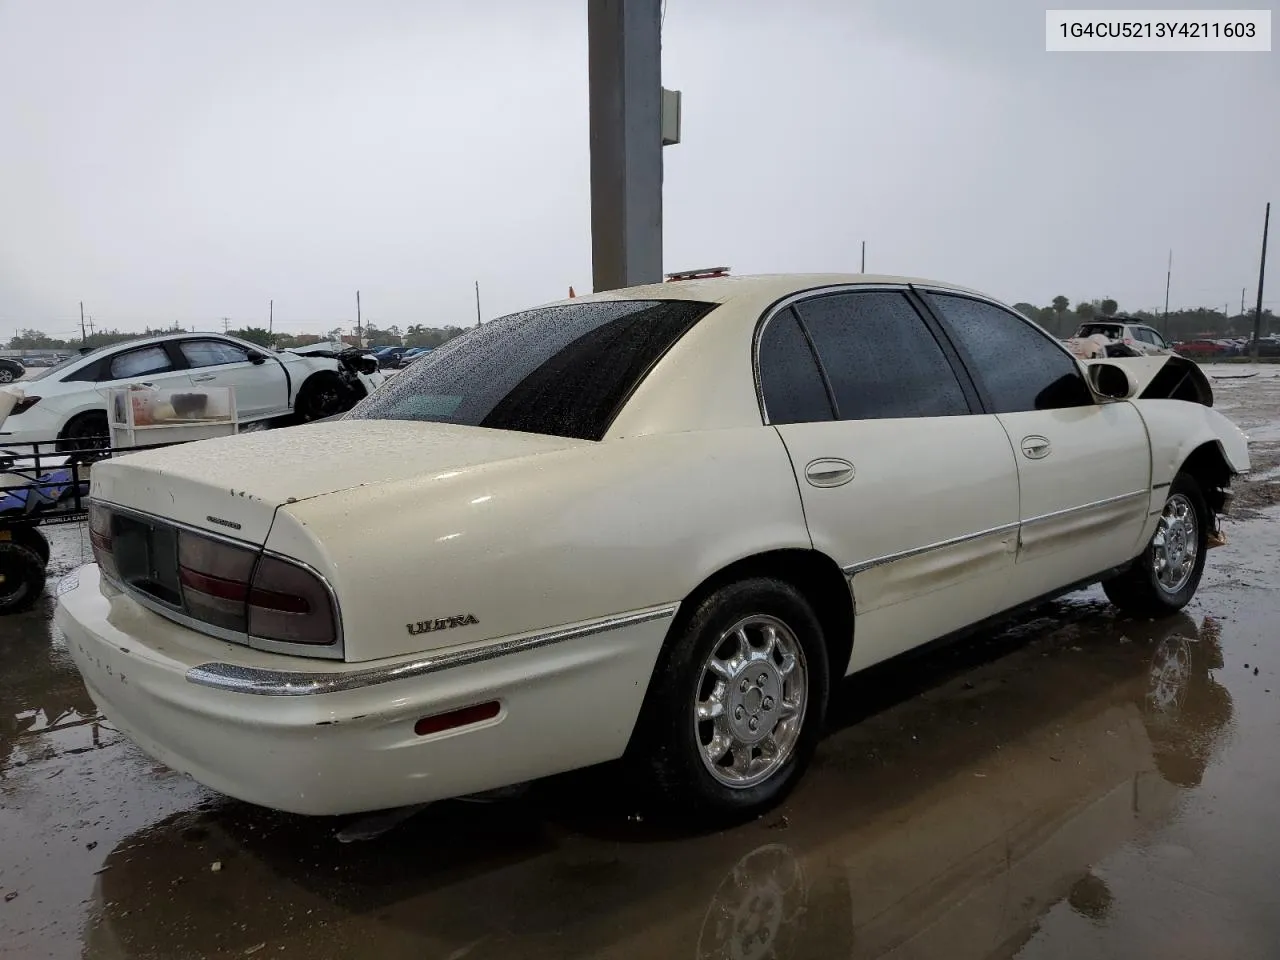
1078	785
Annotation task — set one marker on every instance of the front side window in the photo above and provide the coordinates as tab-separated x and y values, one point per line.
790	381
137	363
881	359
563	370
1020	367
212	353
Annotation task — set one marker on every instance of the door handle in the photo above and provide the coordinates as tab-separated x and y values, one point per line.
828	472
204	377
1035	448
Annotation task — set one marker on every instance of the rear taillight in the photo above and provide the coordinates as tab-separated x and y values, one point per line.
264	596
102	541
215	580
290	604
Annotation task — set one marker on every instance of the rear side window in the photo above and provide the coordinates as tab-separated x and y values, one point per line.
789	378
880	357
564	370
136	363
1020	367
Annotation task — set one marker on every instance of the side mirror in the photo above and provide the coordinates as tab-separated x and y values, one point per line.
1112	381
256	357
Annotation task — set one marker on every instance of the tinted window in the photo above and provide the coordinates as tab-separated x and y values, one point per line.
1109	330
1021	368
136	363
880	357
210	353
1141	334
1153	337
563	370
789	378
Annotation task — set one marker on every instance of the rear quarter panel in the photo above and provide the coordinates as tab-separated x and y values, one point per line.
545	540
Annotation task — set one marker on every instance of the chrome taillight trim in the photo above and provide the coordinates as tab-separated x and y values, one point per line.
331	651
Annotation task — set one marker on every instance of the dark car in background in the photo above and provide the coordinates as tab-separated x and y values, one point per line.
412	354
389	356
11	370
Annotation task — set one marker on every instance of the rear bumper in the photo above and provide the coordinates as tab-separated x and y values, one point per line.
563	705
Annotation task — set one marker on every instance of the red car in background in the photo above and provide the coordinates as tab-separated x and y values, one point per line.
1200	348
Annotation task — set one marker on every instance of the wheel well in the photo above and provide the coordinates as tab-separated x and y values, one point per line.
1208	465
77	418
818	579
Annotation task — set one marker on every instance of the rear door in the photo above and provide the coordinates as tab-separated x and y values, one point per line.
909	489
1084	467
261	388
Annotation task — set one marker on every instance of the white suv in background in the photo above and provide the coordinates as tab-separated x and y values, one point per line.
1136	336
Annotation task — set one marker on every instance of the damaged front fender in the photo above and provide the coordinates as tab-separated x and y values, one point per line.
1168	377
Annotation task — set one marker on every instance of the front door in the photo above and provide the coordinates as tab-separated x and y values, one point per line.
260	388
913	493
1084	467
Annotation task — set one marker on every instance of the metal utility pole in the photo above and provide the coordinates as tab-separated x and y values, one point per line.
83	338
624	66
478	320
1262	272
1242	289
226	324
1168	278
864	256
271	316
359	328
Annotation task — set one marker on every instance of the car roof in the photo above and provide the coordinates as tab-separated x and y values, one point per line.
766	287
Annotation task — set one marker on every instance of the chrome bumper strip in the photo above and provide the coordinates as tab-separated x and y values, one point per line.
281	683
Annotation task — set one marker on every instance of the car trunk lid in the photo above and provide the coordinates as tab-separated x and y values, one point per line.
233	485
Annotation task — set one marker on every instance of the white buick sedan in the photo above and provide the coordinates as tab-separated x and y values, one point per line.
657	523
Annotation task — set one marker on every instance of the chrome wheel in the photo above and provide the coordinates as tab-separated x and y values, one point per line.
751	701
1175	545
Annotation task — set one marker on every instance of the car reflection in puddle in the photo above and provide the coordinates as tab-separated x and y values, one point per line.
978	787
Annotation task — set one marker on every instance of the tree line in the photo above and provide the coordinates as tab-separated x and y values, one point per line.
1062	319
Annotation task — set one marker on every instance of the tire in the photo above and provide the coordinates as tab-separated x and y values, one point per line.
1146	589
22	577
35	541
673	745
85	431
321	396
7	375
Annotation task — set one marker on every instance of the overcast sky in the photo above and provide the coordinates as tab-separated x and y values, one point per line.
185	161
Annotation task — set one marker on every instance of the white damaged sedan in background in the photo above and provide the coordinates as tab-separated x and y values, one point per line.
68	401
657	523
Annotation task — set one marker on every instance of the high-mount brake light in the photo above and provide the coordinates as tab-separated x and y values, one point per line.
702	273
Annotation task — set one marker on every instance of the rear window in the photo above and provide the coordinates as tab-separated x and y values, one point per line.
1111	331
564	371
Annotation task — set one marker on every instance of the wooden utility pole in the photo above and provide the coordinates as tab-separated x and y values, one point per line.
1262	274
1168	278
359	323
864	256
271	316
83	338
